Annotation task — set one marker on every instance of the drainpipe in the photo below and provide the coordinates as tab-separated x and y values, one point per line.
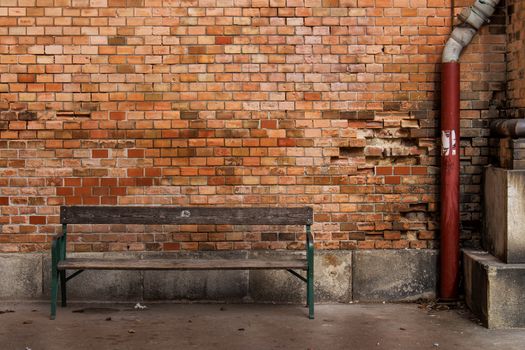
470	21
513	128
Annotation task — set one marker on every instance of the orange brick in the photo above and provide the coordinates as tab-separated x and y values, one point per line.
99	153
383	170
37	220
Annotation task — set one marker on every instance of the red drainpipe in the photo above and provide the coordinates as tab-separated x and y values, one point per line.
449	180
470	21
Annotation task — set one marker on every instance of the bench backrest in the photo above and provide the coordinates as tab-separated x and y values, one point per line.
185	215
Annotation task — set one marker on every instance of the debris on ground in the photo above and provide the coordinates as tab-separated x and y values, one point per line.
439	305
139	306
222	308
6	311
436	345
108	318
131	331
27	322
240	329
28	348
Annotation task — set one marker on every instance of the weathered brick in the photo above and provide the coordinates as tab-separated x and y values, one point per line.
7	115
27	116
117	40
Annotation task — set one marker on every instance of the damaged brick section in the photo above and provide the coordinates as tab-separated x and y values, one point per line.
13	116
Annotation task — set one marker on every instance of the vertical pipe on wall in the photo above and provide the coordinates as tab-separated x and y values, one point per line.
449	180
470	21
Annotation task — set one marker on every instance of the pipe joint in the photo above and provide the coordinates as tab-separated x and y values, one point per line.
471	20
478	14
463	35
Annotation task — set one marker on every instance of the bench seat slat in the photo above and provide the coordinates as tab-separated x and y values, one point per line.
180	264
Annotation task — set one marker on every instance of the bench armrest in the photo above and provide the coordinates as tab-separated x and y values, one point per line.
58	244
310	240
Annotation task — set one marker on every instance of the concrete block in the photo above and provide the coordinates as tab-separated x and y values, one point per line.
21	276
276	285
332	279
100	284
394	275
494	290
333	276
504	227
217	285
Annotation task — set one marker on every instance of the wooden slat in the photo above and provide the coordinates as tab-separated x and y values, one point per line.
185	215
180	264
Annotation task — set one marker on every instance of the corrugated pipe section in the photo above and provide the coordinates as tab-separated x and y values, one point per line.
470	20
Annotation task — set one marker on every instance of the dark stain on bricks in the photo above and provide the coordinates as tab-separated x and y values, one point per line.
391	106
27	116
125	68
331	114
358	115
117	40
196	50
187	115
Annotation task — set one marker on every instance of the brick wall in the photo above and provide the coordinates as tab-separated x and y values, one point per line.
516	57
328	103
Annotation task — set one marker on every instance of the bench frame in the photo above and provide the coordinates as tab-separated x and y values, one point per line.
178	216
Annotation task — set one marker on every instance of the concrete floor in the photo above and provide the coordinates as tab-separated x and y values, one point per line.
247	326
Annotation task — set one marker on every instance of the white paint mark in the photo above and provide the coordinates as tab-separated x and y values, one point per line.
445	142
453	144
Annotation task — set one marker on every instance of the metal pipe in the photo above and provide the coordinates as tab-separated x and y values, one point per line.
449	181
513	128
470	21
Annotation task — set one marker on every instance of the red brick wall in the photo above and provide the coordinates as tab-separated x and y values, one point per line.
516	56
328	103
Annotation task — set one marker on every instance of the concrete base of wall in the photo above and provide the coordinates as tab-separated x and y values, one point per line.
340	276
494	290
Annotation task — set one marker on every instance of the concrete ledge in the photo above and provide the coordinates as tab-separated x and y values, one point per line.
20	276
196	285
340	276
394	275
99	285
332	279
494	290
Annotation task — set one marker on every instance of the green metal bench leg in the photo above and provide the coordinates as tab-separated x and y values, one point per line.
63	290
310	293
54	288
310	272
307	291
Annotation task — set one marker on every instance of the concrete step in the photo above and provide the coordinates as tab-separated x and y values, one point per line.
494	291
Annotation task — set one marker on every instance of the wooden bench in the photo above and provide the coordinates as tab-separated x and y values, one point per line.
178	216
